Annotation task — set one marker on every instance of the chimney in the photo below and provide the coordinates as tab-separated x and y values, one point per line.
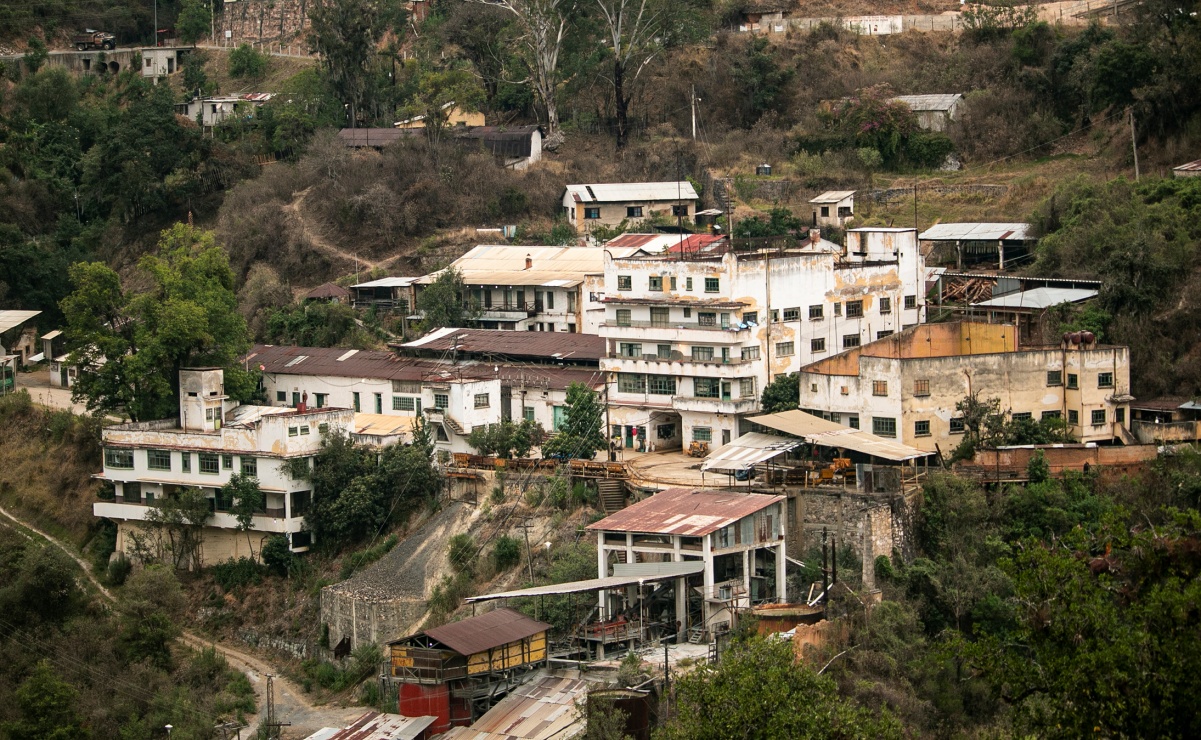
529	262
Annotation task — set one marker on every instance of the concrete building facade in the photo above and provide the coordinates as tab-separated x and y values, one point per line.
693	342
608	204
906	386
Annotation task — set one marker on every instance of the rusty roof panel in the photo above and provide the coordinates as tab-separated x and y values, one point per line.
515	344
377	726
538	710
493	629
686	512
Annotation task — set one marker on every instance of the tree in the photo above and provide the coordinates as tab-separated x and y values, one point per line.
43	591
175	529
36	56
637	31
134	344
192	24
195	81
151	601
545	25
758	690
244	61
345	33
437	93
782	394
444	302
581	434
508	439
780	222
245	499
873	119
48	708
763	83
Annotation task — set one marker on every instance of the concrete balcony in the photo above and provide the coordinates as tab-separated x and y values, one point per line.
715	405
220	519
683	365
687	333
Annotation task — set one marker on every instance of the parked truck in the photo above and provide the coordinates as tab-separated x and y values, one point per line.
94	40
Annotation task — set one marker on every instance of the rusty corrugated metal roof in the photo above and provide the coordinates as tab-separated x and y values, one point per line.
1189	167
493	629
684	511
327	290
377	726
542	709
515	344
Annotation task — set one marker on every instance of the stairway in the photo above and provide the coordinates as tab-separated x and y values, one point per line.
612	495
696	635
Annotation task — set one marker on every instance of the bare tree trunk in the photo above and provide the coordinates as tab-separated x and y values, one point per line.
622	103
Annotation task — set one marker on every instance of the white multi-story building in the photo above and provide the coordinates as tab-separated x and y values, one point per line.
692	341
532	288
213	439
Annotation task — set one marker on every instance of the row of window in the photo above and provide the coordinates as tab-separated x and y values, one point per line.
665	385
655	283
661	317
511	300
1055	378
593	213
210	463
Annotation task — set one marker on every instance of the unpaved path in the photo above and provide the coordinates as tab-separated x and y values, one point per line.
290	704
295	210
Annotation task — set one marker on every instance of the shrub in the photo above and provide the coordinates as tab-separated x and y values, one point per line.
277	558
118	571
244	61
237	573
363	558
506	552
462	553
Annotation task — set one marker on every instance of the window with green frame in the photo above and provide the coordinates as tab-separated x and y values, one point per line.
250	467
209	464
120	459
661	385
158	459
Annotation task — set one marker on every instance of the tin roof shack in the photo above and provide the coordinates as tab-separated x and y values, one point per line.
905	387
1190	169
213	439
1166	420
214	110
608	204
933	112
393	294
738	537
980	243
20	341
533	288
833	208
1028	310
489	345
455	671
329	293
378	726
545	709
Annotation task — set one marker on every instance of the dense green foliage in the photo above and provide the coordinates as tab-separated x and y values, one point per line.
508	439
581	433
444	302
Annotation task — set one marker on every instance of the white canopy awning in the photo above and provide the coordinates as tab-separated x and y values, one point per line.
667	572
826	433
748	450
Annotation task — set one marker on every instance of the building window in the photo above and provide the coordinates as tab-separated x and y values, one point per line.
956	425
854	309
785	349
158	459
131	493
1120	416
706	387
185	462
746	388
633	211
702	354
666	431
1098	417
1022	416
356	401
663	351
623	317
792	314
921	387
1054	377
817	345
660	317
702	434
750	317
625	282
687	283
630	349
322	400
850	340
879	387
592	214
661	385
1073	417
673	282
853	421
816	313
921	428
227	462
441	401
1073	381
527	413
1050	415
910	301
281	396
655	283
1105	380
750	353
838	309
884	426
209	465
250	466
885	305
679	211
120	459
403	403
631	383
304	429
293	431
712	285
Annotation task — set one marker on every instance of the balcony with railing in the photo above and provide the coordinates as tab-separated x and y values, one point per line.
682	331
715	405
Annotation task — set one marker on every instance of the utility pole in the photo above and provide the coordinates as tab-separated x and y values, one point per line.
156	24
273	726
1133	142
692	105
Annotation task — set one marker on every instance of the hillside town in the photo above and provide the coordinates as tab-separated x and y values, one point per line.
412	384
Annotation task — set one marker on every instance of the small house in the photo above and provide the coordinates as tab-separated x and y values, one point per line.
833	208
54	353
765	16
385	294
328	293
163	61
1191	169
608	204
217	109
933	112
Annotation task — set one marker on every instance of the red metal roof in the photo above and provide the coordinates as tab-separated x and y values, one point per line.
493	629
684	511
700	244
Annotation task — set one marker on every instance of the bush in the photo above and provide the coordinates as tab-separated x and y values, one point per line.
506	552
277	558
237	573
462	553
118	570
244	61
928	150
363	558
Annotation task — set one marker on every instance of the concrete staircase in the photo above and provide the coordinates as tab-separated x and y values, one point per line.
612	495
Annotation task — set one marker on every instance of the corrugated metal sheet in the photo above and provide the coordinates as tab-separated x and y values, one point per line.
383	425
978	232
13	319
748	450
936	102
505	265
377	726
487	631
590	584
1038	298
833	196
686	512
542	709
53	335
659	570
819	431
327	290
630	192
1190	167
388	282
540	344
